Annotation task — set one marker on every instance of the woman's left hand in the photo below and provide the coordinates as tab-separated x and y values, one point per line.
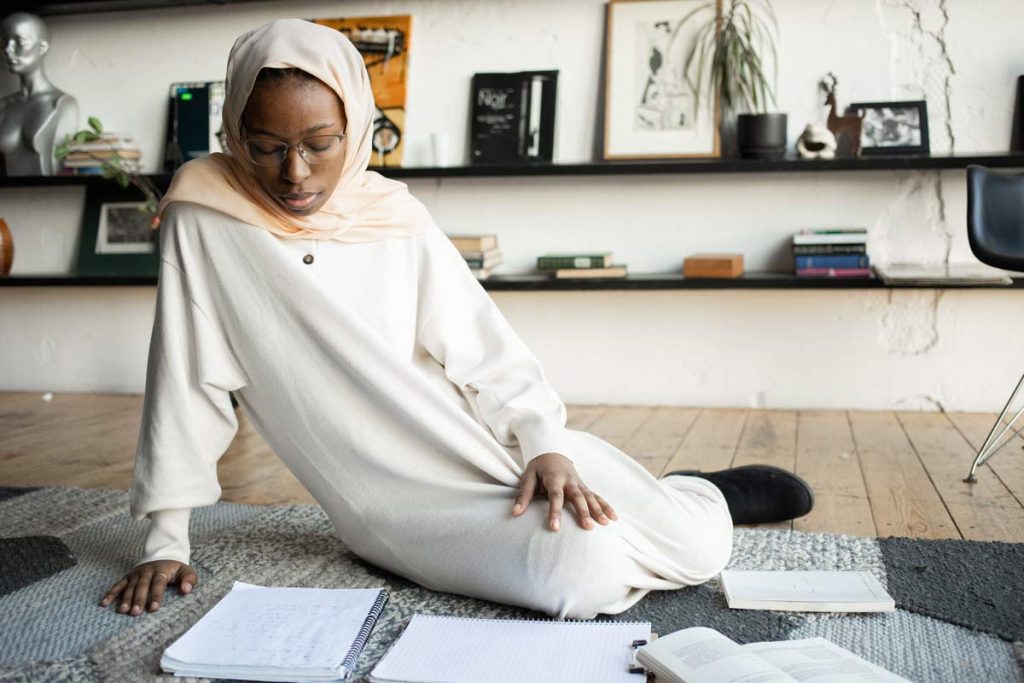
555	474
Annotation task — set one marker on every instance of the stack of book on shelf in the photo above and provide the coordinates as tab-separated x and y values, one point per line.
831	252
87	158
480	251
582	265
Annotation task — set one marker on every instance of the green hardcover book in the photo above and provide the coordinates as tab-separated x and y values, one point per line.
561	261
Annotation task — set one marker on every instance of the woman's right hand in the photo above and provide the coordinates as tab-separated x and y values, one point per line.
143	587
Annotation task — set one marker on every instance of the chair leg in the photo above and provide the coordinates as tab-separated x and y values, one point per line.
989	448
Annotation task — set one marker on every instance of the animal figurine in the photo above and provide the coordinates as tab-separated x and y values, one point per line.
848	124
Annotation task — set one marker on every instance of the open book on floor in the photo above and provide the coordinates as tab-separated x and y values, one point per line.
278	634
703	655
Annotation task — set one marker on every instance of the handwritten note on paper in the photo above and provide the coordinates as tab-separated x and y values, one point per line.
286	628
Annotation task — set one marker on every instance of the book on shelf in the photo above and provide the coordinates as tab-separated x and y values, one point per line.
713	266
834	272
513	116
615	271
825	249
278	634
488	259
474	243
805	591
702	655
832	261
581	260
831	236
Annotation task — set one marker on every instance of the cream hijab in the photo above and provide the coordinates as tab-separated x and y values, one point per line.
364	207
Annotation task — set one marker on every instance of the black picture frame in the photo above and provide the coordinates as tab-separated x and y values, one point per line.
888	126
116	237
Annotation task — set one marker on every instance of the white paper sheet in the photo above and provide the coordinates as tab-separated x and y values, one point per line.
453	650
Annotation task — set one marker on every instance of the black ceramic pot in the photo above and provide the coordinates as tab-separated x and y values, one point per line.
761	136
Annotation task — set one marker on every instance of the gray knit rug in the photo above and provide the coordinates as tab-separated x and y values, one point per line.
960	616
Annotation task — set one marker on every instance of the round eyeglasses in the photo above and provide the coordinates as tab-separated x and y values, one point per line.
314	150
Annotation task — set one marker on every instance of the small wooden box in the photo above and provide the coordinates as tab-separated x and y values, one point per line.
713	266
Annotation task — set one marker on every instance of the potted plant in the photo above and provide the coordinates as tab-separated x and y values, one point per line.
123	171
727	57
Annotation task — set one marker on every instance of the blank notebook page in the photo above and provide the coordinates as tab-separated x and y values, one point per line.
454	650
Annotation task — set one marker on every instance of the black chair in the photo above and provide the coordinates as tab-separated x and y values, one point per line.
995	229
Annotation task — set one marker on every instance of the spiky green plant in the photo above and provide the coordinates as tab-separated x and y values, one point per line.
122	171
726	54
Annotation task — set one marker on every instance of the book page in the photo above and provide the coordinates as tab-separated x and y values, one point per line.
703	655
286	628
816	660
435	649
805	590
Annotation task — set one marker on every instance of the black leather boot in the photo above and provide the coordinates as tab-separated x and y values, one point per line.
758	494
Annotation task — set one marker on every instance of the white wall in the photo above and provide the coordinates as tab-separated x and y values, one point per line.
856	349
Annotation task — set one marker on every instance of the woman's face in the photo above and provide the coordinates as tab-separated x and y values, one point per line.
290	111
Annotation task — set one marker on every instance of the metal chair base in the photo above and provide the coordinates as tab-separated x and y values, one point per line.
992	445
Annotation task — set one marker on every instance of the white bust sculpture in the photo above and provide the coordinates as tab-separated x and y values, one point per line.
38	115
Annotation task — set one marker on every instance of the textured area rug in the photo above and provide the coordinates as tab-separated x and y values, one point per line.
960	616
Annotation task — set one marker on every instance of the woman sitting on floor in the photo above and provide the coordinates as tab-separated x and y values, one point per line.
377	368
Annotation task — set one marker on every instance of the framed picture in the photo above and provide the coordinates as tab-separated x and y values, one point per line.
116	237
649	102
893	128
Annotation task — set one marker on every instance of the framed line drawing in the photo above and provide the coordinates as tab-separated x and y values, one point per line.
649	101
116	237
893	128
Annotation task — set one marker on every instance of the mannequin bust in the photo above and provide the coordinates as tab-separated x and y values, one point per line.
38	115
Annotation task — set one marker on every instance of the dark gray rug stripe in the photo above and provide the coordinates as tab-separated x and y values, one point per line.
7	492
28	559
969	583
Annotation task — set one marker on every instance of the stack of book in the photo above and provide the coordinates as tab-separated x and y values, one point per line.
831	252
480	251
583	265
87	158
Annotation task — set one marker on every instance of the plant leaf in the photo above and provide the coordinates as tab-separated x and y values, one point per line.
95	124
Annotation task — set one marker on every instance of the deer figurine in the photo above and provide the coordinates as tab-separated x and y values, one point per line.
850	124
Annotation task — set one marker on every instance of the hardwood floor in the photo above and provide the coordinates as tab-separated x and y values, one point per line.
874	473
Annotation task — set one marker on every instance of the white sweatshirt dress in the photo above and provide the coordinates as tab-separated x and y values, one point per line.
389	383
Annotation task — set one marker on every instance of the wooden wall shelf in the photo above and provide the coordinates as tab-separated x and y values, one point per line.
537	282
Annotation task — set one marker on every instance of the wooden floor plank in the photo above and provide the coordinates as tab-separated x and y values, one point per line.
769	438
984	510
90	440
827	459
711	442
903	500
581	417
617	424
654	444
1007	463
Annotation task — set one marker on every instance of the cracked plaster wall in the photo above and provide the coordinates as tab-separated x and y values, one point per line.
879	349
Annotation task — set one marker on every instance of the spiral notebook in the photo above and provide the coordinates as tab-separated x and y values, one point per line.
439	649
258	633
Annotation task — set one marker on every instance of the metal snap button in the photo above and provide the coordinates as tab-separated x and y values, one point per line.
307	259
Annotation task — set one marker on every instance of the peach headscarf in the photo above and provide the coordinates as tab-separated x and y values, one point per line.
364	207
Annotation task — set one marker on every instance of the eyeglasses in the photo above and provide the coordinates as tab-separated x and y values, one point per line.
314	150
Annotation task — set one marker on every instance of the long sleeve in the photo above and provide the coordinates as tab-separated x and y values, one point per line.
462	328
187	420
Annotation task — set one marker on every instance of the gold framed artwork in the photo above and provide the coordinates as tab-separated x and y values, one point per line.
384	44
651	108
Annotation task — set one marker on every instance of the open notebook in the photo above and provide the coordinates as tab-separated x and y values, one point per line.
278	634
437	649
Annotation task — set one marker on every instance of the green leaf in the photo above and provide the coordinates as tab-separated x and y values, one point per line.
95	124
